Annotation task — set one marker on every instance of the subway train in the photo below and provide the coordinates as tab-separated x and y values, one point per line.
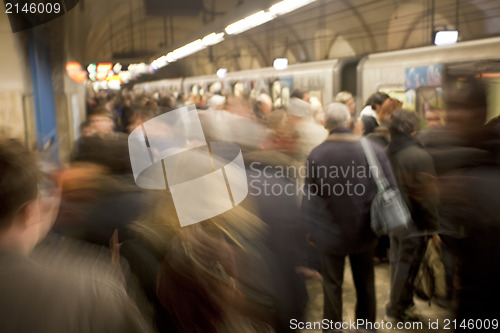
414	76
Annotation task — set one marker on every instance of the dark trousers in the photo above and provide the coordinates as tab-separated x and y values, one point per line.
406	254
383	244
451	263
364	281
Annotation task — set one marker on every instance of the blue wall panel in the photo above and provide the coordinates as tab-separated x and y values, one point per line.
43	92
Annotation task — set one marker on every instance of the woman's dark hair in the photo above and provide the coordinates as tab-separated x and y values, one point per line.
377	98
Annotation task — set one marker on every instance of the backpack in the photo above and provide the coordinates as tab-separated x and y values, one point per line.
430	282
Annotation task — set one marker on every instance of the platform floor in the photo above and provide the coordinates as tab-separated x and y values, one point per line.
382	285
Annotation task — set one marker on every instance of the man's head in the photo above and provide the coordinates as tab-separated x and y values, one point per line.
403	122
100	120
337	115
18	180
86	129
21	225
434	117
466	103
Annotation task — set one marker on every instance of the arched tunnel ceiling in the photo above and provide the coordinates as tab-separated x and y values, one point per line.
124	30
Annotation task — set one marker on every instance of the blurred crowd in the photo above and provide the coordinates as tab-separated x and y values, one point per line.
84	249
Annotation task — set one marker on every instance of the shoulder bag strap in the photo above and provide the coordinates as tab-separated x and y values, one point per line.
379	175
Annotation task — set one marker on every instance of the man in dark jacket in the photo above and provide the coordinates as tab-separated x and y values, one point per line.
415	174
466	154
339	191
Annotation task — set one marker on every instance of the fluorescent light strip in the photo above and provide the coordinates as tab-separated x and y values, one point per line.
252	21
213	39
170	57
160	62
287	6
249	22
188	49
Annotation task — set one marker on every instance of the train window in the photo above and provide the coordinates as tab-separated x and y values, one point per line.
259	86
285	95
215	88
315	97
194	90
238	89
276	95
429	99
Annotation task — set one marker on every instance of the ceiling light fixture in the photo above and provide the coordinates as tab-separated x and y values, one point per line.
213	39
280	63
187	49
445	37
287	6
221	73
249	22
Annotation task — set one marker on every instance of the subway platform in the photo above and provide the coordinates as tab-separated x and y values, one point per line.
428	312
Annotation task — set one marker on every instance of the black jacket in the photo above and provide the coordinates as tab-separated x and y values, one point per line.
414	170
345	192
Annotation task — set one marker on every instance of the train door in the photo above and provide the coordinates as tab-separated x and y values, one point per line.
41	72
348	76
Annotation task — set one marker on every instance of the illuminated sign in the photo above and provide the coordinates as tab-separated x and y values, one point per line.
76	72
103	70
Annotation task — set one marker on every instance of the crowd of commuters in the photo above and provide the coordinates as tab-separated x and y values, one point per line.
117	260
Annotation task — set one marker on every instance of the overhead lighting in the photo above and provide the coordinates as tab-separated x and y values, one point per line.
115	83
102	70
287	6
117	68
280	63
92	68
125	76
76	72
213	39
445	37
221	73
137	69
160	62
249	22
170	57
187	49
240	26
